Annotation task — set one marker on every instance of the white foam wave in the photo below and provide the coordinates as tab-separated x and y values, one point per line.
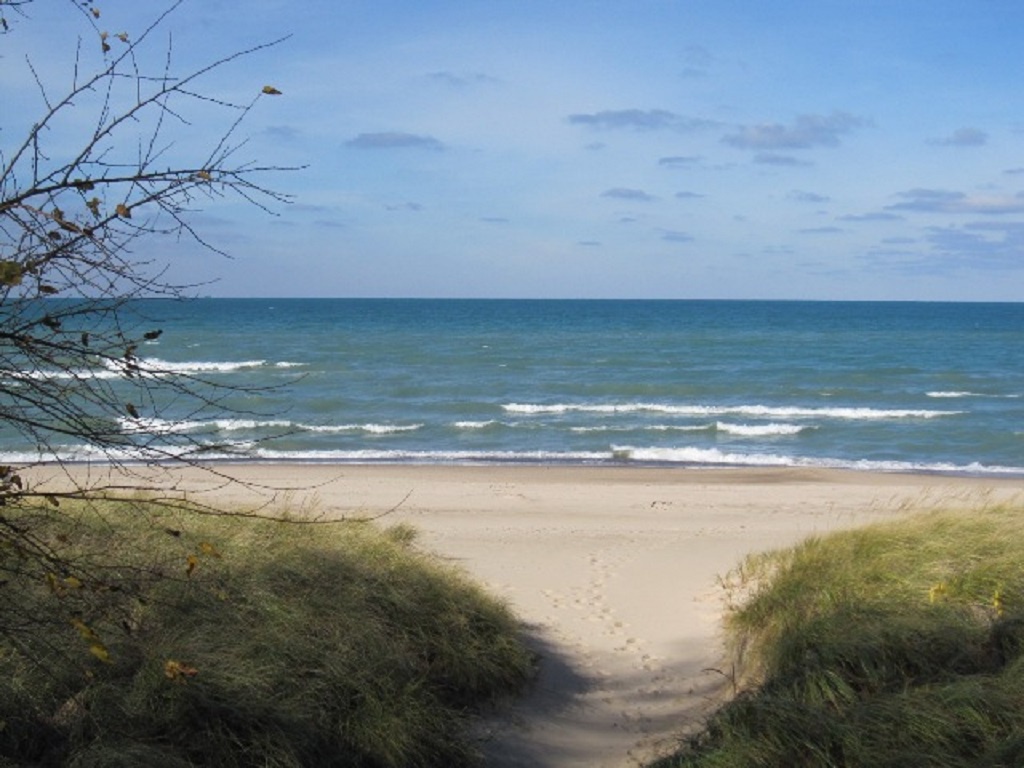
715	457
78	375
957	393
235	425
126	454
157	426
146	367
475	424
693	457
697	456
760	411
152	426
373	429
154	365
758	430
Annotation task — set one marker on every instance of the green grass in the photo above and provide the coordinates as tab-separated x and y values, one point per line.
236	642
899	644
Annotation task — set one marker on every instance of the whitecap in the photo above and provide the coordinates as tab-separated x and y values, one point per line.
762	411
156	366
759	430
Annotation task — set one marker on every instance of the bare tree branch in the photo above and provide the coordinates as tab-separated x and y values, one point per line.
72	220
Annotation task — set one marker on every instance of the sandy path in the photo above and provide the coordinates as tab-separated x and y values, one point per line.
613	572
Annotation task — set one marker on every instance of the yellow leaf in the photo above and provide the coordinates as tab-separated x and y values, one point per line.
73	582
204	175
208	549
100	652
123	211
177	671
84	630
271	90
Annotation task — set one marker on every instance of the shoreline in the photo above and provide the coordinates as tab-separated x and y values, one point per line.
613	571
734	472
972	470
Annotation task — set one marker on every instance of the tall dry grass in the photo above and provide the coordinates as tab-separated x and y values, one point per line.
182	639
900	644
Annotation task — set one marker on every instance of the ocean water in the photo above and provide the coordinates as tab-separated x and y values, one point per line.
874	386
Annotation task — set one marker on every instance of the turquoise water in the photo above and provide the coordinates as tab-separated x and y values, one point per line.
883	386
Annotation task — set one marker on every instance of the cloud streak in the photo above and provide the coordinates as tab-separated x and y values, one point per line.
945	201
963	137
641	120
394	140
625	193
457	80
774	158
806	132
807	197
679	161
984	245
874	216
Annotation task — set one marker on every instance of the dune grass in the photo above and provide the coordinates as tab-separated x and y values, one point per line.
184	640
898	644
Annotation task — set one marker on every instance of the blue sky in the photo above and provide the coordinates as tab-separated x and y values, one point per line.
637	148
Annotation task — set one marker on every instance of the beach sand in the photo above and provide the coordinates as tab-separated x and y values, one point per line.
613	572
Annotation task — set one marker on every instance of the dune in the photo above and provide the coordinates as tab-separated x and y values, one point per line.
613	571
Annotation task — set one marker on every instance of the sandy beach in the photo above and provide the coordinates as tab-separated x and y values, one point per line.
613	571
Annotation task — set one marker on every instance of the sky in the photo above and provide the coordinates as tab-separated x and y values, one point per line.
729	149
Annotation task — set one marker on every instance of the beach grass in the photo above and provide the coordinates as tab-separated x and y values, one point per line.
896	644
182	639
